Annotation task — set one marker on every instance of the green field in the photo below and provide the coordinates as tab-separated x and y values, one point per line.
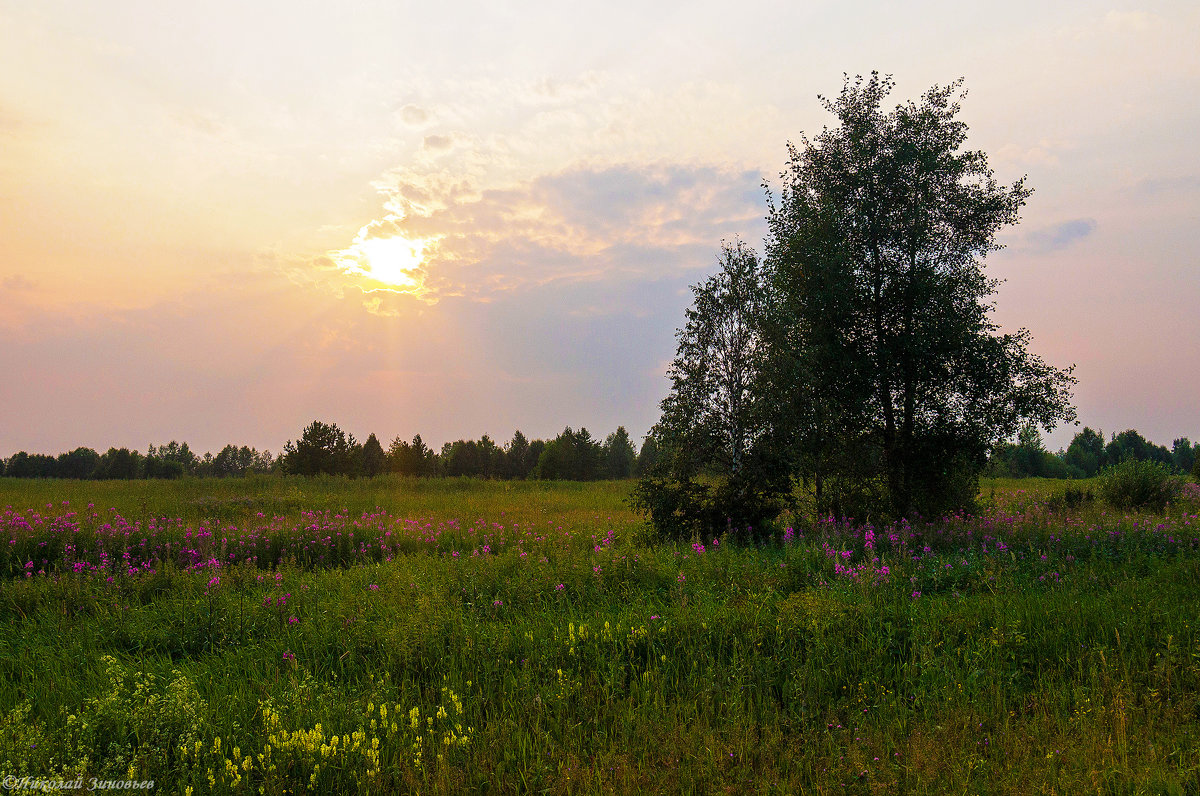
283	635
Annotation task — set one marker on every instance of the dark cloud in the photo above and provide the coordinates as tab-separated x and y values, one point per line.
1060	236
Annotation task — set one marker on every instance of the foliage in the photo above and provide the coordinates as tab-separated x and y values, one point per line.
1134	484
181	459
518	458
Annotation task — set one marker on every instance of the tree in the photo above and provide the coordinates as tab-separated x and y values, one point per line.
1183	454
79	463
647	456
1129	444
715	419
859	358
618	454
32	465
880	319
1086	452
177	452
517	463
322	448
119	463
232	460
571	456
373	457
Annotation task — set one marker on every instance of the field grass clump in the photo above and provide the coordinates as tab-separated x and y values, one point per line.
428	638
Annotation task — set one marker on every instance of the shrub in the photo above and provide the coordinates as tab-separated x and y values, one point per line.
1134	485
1071	500
682	509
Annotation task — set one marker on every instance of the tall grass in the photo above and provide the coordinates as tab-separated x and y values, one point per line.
1029	649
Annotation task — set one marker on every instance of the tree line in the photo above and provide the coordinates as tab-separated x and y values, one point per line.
1088	454
324	448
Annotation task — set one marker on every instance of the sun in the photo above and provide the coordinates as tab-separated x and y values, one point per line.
393	261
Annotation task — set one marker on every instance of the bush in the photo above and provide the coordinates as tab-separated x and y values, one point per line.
685	509
1196	469
1134	485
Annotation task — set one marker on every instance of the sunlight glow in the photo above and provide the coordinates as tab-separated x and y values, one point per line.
392	263
392	260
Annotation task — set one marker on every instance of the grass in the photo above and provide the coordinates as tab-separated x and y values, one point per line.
525	637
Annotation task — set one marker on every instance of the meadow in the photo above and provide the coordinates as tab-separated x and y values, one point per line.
388	635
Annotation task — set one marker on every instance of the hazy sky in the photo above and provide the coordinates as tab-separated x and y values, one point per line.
220	221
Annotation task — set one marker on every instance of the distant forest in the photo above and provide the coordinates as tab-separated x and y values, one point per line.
1086	456
325	448
571	456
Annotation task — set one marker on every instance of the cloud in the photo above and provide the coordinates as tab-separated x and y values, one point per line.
438	142
413	115
1059	236
17	282
1158	186
587	224
1132	21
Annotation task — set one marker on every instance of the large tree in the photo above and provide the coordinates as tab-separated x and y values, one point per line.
860	358
883	309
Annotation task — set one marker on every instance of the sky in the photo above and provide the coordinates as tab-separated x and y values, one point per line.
220	221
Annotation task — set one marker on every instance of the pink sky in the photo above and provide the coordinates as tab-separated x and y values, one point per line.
192	199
